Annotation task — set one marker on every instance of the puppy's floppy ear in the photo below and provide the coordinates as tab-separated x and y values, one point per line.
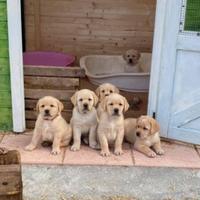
138	55
96	99
97	91
116	90
104	103
126	105
38	106
74	98
124	55
154	125
60	106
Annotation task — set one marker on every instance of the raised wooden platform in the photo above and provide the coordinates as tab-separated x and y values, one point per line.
60	82
138	101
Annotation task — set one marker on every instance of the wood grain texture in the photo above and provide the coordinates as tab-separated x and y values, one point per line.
90	26
36	82
5	99
37	23
4	66
30	104
39	93
10	176
54	71
3	11
5	86
60	82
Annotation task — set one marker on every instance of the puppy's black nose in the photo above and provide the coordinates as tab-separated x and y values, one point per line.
116	110
106	95
85	105
46	111
130	60
138	134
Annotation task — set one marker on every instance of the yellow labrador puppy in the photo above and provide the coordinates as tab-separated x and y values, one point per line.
132	57
144	134
50	126
111	124
103	91
84	118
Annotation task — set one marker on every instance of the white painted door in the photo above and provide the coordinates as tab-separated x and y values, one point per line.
175	77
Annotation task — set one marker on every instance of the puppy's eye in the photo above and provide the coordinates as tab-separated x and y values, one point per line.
42	106
52	105
145	128
111	104
103	91
80	99
120	104
89	99
128	56
111	91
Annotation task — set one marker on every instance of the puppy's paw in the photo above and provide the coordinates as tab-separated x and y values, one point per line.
55	151
75	148
118	152
86	140
97	147
105	153
160	152
93	145
151	154
30	147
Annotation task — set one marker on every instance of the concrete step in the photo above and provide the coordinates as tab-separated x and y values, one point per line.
44	182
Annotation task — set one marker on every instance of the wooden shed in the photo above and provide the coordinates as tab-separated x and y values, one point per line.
84	27
167	28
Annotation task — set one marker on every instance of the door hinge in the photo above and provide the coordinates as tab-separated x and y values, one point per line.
154	115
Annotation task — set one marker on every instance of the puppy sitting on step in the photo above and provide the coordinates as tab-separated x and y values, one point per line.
50	126
144	134
84	118
111	124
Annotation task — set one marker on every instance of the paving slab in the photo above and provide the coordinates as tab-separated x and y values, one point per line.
88	156
176	155
40	155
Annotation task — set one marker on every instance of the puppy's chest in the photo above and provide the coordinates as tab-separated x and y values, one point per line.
47	131
85	120
112	131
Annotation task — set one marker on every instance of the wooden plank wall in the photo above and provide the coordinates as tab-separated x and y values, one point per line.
84	27
60	82
5	88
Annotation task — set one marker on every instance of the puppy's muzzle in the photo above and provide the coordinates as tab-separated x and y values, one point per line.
138	134
46	112
85	106
131	60
116	111
106	95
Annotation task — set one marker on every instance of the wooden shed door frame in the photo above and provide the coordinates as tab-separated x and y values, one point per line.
16	64
159	31
16	61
